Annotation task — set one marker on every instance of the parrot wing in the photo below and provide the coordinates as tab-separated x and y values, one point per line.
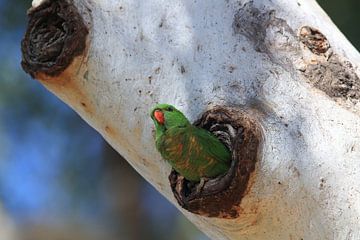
194	152
211	145
171	144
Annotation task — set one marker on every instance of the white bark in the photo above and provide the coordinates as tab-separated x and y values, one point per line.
8	229
190	54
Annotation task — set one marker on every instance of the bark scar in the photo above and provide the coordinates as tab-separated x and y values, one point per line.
314	40
55	35
336	77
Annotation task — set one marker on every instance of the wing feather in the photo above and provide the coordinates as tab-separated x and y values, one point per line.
211	145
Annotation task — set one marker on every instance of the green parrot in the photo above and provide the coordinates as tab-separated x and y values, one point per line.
193	152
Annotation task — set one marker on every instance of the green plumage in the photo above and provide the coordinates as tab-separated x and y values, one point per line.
193	152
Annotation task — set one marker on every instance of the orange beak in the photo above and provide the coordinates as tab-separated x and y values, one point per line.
159	116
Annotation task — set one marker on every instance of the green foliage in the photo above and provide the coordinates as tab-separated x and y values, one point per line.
345	15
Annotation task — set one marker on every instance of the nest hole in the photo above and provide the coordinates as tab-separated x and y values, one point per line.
221	196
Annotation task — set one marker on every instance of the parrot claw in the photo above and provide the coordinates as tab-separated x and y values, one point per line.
224	132
201	184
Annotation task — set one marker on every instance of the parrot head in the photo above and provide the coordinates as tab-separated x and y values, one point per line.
166	116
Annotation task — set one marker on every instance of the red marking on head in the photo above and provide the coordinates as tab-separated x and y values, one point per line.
159	116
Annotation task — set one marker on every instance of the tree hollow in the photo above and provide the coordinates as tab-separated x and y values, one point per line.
221	197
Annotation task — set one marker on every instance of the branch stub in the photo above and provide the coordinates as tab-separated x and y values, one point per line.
55	35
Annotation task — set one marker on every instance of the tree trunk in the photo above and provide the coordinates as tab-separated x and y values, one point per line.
279	70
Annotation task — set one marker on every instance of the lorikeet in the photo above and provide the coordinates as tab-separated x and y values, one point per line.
193	152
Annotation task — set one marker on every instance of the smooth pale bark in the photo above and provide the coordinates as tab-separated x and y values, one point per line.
8	229
198	54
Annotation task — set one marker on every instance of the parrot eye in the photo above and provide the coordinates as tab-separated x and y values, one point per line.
170	109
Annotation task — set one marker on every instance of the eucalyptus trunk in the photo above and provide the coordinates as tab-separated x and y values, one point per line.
280	69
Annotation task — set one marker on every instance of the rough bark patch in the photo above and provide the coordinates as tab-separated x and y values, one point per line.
56	33
273	36
252	23
336	77
221	197
256	23
314	40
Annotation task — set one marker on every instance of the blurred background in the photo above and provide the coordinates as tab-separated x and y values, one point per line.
59	180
